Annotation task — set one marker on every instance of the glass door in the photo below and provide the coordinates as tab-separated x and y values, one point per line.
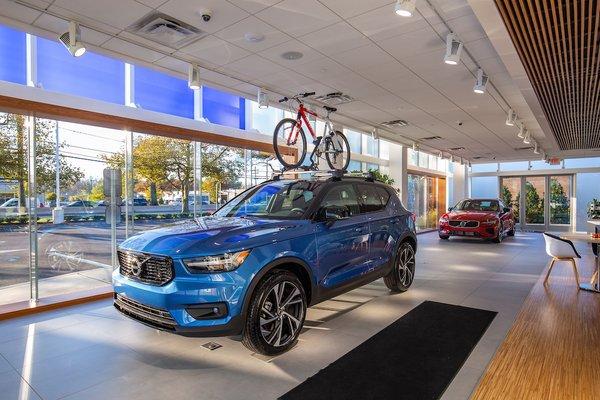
546	202
510	194
533	203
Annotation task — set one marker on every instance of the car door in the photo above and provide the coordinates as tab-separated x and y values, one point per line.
373	200
343	245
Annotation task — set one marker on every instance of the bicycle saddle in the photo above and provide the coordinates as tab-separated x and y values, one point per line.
330	109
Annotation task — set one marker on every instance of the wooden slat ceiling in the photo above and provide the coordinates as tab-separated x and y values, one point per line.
558	42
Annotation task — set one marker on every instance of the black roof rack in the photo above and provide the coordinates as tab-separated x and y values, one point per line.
334	175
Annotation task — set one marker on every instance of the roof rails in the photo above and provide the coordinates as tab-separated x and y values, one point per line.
335	175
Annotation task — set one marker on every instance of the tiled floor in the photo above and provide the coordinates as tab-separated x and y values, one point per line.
91	352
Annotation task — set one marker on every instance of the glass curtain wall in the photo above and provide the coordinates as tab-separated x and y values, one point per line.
14	208
510	194
427	199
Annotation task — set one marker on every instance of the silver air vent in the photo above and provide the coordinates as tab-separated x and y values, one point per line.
431	138
166	30
335	98
397	123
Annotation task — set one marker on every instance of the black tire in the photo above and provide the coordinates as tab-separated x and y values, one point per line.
336	139
279	140
402	274
444	237
262	315
511	232
498	238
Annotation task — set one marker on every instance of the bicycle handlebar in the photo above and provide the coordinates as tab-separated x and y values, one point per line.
307	94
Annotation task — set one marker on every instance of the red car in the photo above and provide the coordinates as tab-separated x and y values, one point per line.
481	218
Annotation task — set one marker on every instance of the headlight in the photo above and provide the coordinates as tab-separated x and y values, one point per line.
443	220
221	263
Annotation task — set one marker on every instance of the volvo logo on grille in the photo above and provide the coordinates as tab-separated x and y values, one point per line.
463	223
136	267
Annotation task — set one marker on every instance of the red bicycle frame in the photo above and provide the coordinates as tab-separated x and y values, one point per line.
302	111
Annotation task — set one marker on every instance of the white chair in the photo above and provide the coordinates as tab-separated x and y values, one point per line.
561	250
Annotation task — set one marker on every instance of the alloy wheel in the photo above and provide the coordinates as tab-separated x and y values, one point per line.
406	265
281	314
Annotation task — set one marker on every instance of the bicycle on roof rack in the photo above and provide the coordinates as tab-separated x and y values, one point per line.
289	133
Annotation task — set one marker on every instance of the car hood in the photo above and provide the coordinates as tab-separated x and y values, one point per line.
471	215
215	235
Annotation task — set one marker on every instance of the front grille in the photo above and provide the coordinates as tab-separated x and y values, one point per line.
146	268
149	315
467	224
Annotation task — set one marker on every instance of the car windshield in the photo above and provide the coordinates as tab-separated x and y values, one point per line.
285	199
478	205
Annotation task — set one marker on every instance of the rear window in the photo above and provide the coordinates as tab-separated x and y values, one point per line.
371	199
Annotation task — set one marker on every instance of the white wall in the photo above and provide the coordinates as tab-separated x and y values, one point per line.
398	168
458	183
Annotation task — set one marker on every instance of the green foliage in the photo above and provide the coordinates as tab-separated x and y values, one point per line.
13	156
165	164
534	205
378	176
559	204
593	211
506	197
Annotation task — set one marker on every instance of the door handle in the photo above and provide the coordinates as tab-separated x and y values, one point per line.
359	230
395	220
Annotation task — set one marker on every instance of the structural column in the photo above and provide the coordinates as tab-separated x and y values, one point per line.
399	170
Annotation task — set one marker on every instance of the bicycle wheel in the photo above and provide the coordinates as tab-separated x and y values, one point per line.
337	151
286	135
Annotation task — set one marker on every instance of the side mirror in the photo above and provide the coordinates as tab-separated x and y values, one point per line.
450	208
506	209
333	213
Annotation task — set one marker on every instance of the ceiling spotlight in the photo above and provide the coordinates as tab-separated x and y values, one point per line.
440	155
536	149
453	49
522	131
292	55
254	37
511	117
527	138
415	147
194	77
71	39
469	164
405	8
480	84
375	133
263	98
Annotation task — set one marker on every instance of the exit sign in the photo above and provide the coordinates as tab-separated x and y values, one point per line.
554	161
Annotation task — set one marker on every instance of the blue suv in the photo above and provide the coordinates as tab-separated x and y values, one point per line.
252	268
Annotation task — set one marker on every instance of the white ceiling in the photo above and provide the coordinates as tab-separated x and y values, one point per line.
391	65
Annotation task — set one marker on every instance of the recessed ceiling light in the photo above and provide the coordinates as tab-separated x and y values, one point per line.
254	37
405	8
292	55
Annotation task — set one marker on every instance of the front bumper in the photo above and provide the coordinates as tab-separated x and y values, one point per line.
482	231
181	305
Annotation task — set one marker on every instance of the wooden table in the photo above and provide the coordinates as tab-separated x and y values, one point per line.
594	285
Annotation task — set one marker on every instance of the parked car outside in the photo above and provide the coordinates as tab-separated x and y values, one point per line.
14	202
254	267
80	203
481	218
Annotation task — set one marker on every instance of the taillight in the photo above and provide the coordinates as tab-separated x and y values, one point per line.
413	216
